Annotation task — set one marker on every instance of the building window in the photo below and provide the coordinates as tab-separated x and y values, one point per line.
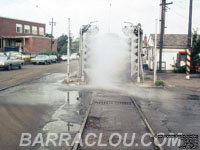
41	30
19	28
26	29
34	30
1	43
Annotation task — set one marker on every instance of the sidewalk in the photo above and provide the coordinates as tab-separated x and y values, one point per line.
178	80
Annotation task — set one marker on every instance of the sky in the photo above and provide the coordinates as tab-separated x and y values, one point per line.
110	14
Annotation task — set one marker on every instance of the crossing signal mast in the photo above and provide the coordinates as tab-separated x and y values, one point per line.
135	33
85	32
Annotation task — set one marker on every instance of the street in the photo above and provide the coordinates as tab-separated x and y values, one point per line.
100	75
43	104
30	72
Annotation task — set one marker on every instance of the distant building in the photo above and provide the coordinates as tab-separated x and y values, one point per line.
24	36
174	46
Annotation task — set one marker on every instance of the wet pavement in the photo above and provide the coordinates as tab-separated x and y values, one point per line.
171	110
33	72
43	106
46	105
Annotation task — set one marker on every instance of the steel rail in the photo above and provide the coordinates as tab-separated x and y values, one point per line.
144	118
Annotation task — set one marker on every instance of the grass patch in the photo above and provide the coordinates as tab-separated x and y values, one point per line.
160	83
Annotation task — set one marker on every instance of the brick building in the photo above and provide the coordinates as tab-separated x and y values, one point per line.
24	36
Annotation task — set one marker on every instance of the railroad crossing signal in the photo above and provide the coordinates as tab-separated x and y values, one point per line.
85	32
135	33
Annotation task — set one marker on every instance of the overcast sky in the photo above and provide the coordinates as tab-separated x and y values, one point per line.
84	11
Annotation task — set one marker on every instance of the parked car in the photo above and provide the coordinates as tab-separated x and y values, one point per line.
64	57
24	56
8	63
13	54
74	56
41	59
53	58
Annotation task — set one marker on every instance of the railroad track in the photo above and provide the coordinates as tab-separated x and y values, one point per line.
157	146
24	82
147	124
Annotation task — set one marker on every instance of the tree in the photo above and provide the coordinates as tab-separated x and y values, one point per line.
62	44
195	51
49	35
75	46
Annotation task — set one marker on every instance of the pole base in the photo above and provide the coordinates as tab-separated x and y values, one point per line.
82	79
187	77
138	79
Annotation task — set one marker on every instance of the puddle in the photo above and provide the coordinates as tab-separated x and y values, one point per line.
72	97
60	127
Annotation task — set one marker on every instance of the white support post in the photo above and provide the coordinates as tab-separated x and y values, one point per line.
155	54
138	63
68	51
82	59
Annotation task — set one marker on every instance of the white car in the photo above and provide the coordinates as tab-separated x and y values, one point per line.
53	58
41	59
74	56
10	62
64	57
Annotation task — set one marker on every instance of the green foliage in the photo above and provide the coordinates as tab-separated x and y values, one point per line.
75	48
195	51
49	35
182	69
62	45
160	83
48	53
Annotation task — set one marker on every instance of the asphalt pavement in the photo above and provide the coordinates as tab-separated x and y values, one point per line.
30	72
44	104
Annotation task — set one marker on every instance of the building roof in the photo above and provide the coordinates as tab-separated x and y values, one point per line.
172	41
22	20
25	37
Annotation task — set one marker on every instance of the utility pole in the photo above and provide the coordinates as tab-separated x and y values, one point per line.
155	54
138	50
52	24
189	43
68	50
162	30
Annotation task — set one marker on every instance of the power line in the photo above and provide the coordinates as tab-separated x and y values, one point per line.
184	17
